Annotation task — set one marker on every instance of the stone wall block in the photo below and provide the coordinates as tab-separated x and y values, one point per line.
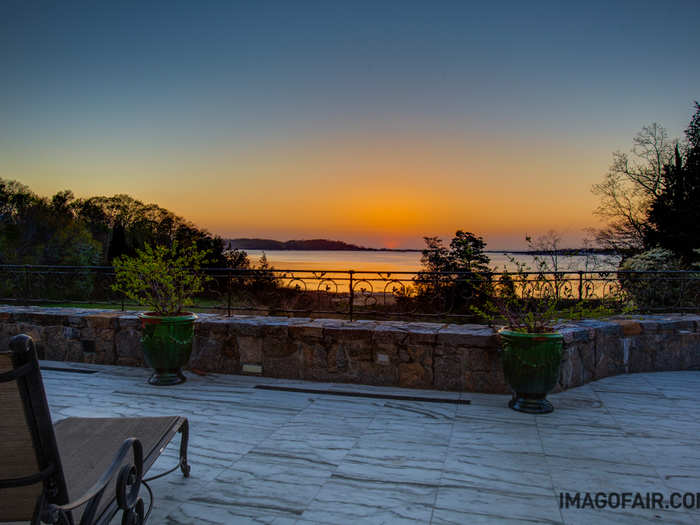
230	358
385	354
413	375
337	359
422	338
206	354
642	350
467	335
315	357
286	367
74	352
102	321
690	351
357	350
128	321
420	353
77	321
481	359
7	331
53	345
372	374
486	382
447	370
680	324
611	355
308	331
275	347
650	326
576	334
127	344
668	355
348	333
629	326
215	330
70	332
250	348
390	335
571	371
245	327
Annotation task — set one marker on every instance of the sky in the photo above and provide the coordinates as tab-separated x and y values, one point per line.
375	122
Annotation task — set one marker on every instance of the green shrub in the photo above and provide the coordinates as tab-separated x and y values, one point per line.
164	278
650	290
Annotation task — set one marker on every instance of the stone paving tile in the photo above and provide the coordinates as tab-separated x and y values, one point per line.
497	435
372	500
478	505
282	458
515	472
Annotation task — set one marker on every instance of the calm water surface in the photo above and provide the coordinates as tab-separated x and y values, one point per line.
406	261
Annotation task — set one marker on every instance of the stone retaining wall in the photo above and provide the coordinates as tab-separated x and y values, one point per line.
420	355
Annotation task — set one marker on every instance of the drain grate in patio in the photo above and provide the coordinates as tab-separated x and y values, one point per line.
394	397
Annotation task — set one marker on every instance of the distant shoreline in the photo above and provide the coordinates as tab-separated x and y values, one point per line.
325	245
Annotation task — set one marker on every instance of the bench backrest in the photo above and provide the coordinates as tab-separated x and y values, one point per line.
30	468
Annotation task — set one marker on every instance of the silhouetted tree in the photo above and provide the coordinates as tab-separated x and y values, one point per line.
465	254
36	230
454	277
674	215
124	224
631	185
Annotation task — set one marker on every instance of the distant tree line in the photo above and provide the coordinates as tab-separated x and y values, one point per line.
64	230
309	244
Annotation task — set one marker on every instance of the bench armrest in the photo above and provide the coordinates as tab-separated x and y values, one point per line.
129	478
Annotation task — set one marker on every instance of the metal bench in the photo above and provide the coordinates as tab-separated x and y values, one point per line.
80	470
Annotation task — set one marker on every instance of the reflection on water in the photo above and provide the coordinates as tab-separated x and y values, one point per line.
410	261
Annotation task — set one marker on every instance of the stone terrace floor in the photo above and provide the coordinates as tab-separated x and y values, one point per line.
261	456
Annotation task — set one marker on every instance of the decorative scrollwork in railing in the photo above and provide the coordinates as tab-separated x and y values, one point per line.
369	294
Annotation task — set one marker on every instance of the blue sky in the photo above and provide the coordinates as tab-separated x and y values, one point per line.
183	103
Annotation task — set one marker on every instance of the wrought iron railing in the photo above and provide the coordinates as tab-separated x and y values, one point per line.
363	294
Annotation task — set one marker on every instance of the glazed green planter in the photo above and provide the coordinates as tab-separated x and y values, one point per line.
531	368
166	342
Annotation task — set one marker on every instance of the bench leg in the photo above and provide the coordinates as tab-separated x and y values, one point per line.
184	431
184	440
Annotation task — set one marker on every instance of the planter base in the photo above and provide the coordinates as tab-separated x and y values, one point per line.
167	378
530	405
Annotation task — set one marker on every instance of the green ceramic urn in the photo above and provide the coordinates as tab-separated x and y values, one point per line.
166	342
531	368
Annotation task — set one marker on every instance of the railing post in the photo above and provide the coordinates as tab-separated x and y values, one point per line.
26	285
580	285
229	280
352	295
